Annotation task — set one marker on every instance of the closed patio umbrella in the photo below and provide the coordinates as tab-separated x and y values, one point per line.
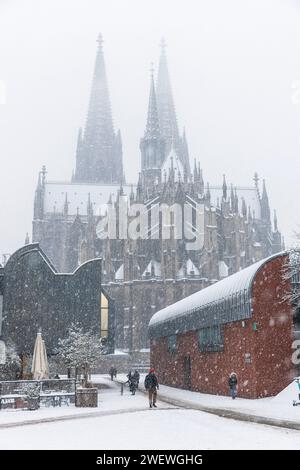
39	366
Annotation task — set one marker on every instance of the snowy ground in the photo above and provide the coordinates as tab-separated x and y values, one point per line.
109	401
125	422
279	407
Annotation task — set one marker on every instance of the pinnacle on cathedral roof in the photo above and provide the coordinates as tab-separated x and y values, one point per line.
152	126
224	188
100	40
275	222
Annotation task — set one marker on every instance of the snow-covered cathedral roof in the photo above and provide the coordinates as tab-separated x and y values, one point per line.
248	193
78	196
153	269
172	161
119	276
188	268
210	305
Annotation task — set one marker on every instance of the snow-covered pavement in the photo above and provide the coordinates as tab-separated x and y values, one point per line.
110	401
278	408
125	422
150	429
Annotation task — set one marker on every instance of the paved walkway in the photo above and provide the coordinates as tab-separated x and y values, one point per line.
224	412
165	402
232	414
80	413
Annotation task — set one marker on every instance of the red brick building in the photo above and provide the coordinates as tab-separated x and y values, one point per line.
241	323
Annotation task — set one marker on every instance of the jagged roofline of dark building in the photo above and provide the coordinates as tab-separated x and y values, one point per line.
210	313
99	150
35	247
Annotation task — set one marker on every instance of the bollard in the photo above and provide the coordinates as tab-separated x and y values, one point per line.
122	387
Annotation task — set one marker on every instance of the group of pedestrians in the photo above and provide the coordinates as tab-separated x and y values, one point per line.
133	380
151	384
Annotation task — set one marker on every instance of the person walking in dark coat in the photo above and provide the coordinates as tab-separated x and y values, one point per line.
232	382
136	377
112	372
151	385
131	382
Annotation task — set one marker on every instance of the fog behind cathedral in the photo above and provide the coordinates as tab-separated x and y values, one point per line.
235	73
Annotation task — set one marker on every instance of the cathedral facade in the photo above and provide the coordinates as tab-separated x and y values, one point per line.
231	225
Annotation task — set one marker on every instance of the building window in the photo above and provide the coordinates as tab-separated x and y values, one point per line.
104	316
248	359
211	339
172	343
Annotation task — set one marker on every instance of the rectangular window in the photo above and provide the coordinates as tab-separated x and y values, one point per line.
211	339
104	316
172	343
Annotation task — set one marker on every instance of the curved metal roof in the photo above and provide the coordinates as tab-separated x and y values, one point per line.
236	284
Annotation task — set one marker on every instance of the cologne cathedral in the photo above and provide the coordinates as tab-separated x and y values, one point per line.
144	274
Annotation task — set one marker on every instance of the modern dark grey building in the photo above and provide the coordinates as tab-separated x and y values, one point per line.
34	295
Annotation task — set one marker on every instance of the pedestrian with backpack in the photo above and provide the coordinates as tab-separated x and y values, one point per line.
232	382
151	385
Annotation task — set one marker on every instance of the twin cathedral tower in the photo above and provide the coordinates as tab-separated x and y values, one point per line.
99	156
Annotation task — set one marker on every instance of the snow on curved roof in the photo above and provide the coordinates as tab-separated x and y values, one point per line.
225	288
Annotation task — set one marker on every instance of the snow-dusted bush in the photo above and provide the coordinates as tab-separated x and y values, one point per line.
11	368
32	391
80	350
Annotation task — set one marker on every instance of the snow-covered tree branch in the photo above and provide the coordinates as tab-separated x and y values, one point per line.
10	370
81	350
292	273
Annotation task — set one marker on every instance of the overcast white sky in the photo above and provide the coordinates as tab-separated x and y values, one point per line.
235	71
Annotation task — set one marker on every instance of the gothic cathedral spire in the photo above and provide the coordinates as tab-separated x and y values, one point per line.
152	144
265	207
152	126
167	113
99	150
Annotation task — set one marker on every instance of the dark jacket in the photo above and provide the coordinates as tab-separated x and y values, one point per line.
232	381
151	381
136	376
